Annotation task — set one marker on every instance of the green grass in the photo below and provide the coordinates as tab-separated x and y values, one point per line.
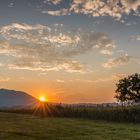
26	127
130	114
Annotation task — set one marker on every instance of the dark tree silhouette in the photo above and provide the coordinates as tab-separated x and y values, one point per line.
128	89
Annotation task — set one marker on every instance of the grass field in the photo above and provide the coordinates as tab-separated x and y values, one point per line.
26	127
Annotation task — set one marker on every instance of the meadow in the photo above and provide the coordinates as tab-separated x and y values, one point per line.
28	127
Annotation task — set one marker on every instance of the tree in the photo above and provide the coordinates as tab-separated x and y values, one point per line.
128	89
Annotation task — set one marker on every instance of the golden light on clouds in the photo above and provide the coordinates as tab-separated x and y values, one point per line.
68	62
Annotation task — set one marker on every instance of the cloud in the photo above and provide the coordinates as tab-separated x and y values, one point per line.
53	1
4	79
138	38
118	61
114	77
130	4
1	65
106	52
97	8
68	66
119	75
60	81
44	48
57	12
11	5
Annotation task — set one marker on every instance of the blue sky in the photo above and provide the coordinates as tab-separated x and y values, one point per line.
69	50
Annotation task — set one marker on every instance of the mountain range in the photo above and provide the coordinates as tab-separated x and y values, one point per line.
13	98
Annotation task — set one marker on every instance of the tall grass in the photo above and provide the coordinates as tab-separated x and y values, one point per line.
119	114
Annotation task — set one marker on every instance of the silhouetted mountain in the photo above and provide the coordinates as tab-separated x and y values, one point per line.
12	98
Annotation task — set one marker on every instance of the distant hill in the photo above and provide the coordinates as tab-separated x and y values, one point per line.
12	98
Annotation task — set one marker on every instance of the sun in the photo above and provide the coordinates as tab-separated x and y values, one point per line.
42	98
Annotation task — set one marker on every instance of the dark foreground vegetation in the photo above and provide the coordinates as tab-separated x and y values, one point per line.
28	127
129	114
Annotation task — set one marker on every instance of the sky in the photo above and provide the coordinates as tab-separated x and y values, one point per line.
71	51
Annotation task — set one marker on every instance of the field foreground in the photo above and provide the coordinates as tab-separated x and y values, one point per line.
26	127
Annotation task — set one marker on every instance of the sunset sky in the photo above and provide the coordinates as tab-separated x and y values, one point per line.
68	50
